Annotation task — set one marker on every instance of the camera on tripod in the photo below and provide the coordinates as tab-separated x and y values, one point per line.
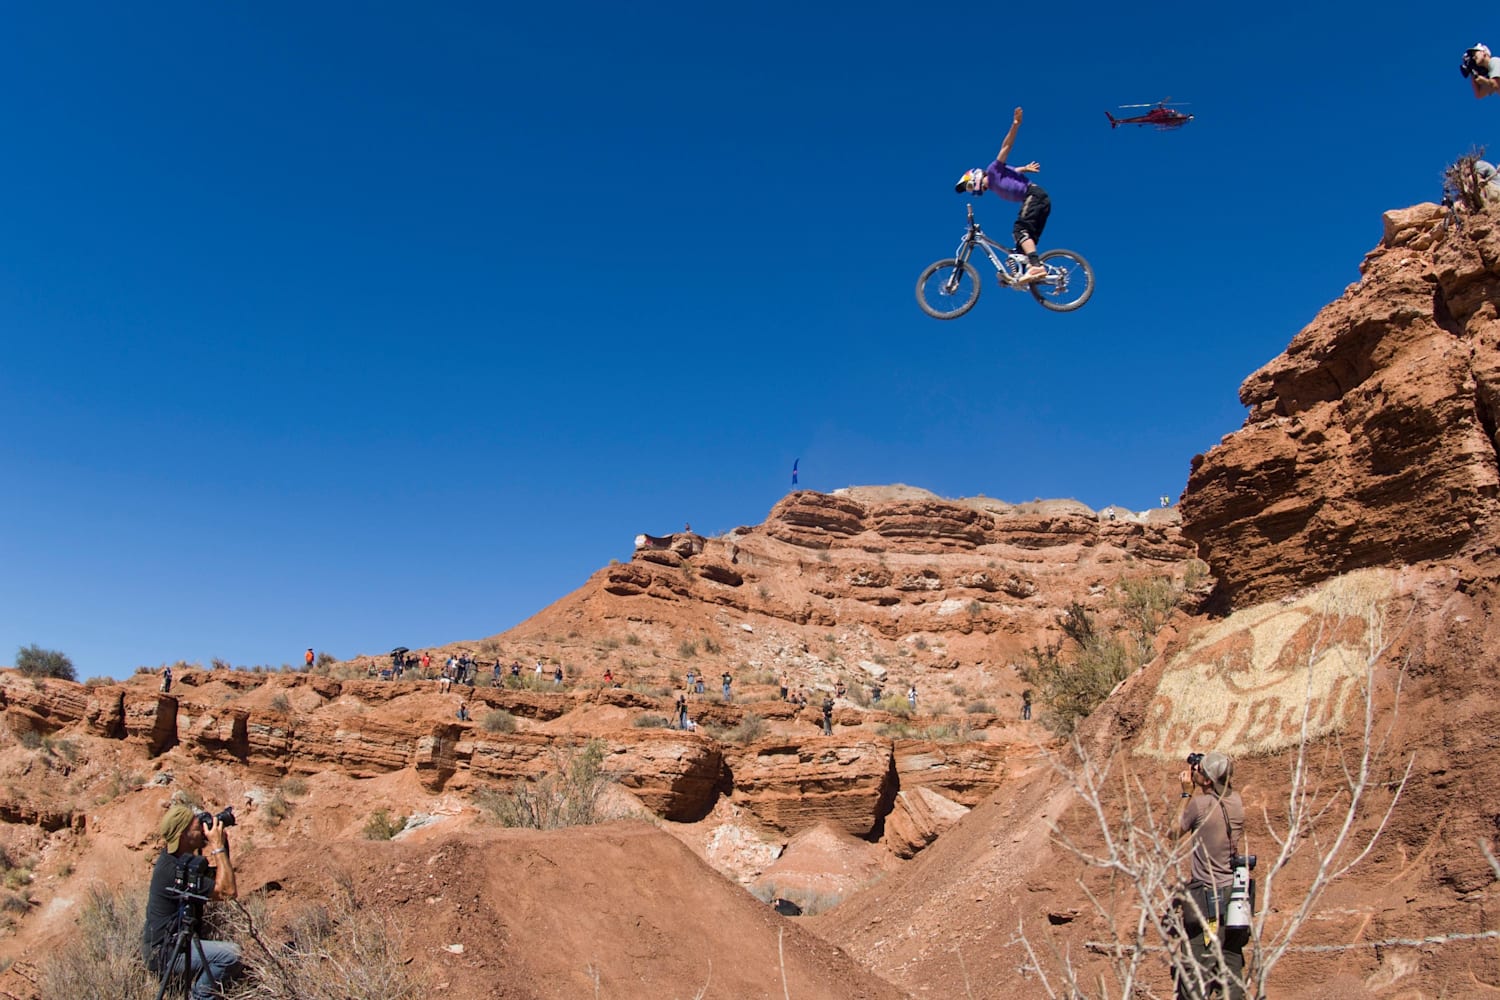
193	879
1241	892
225	817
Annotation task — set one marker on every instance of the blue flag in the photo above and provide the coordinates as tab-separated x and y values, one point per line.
794	470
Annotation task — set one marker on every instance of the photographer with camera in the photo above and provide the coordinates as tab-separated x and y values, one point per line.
1213	817
1480	69
181	882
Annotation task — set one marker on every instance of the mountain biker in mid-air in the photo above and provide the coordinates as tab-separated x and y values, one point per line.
1009	183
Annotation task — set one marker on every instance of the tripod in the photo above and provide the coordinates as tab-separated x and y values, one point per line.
185	940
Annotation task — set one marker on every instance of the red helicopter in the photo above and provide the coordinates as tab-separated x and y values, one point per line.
1160	115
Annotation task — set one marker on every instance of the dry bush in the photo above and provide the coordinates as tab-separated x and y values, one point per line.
568	795
104	958
1132	838
751	728
499	721
383	826
339	950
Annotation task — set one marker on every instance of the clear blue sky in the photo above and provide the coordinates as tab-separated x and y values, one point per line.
361	324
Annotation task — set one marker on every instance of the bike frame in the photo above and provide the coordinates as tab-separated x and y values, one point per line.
975	238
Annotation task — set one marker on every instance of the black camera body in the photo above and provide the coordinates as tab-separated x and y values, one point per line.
225	817
1244	861
1470	63
193	879
1194	759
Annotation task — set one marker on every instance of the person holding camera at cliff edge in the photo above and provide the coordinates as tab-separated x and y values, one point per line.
184	835
1213	818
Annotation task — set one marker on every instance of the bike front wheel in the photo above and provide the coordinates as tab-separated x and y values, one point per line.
948	289
1069	282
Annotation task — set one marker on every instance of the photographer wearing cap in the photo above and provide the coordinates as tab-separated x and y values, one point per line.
1213	817
1480	69
183	831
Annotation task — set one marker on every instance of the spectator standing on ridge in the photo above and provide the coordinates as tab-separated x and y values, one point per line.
698	683
1213	818
1026	704
463	711
426	663
783	685
557	676
690	679
609	677
827	715
728	680
911	696
515	670
166	680
682	711
307	657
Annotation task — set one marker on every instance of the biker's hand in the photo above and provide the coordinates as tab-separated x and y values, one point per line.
1017	116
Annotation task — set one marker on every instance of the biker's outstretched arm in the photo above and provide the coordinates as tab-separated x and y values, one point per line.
1010	137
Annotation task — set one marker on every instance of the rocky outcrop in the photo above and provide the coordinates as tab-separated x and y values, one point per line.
1371	440
920	815
793	785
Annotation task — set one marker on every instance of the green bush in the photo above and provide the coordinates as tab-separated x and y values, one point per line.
1068	690
34	661
980	707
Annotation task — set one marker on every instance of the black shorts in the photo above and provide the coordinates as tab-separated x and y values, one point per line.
1033	218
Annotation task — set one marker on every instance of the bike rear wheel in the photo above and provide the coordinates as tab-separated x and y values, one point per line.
948	289
1069	282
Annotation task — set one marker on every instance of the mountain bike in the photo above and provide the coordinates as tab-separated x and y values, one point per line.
949	288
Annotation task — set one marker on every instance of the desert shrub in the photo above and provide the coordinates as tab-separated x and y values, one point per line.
499	721
325	660
1462	183
710	644
609	643
980	707
94	682
118	783
649	720
1068	690
294	786
632	639
920	642
1147	603
280	703
383	826
34	661
893	730
752	727
894	703
341	949
276	808
219	663
975	608
103	956
58	746
687	648
568	795
763	591
15	902
30	739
